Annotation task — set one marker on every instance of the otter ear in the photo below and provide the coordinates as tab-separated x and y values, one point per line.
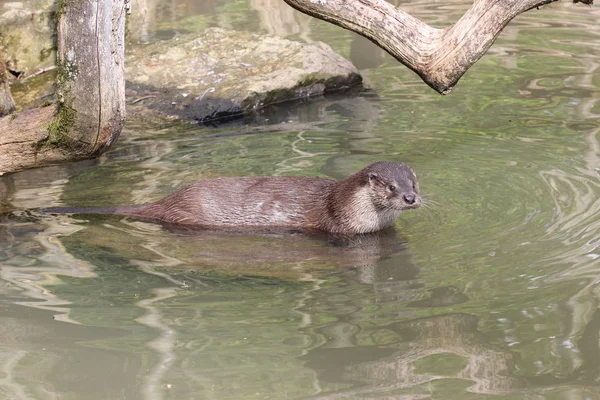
373	178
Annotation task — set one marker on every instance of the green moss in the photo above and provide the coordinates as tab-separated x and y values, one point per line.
67	71
58	130
61	6
45	53
10	41
60	9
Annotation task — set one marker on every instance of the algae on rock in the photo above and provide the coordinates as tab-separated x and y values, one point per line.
220	73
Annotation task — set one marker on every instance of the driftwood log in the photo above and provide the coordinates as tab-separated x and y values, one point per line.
90	110
439	56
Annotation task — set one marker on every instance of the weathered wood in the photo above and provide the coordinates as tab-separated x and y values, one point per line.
19	135
439	56
7	104
91	44
90	111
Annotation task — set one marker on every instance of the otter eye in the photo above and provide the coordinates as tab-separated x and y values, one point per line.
391	188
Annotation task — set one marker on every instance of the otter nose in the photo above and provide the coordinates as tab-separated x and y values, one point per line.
410	198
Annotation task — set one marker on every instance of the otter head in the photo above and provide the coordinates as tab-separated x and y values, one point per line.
393	186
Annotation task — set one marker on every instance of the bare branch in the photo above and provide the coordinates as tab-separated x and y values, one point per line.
439	56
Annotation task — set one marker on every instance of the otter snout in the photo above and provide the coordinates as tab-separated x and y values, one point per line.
412	199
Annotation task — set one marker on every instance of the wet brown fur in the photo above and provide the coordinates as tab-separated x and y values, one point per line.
361	203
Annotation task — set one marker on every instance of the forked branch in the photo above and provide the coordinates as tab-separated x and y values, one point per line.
439	56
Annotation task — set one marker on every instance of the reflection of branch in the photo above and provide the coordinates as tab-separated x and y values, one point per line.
307	294
163	345
306	319
488	367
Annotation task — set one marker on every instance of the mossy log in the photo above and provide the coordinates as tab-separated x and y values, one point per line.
90	109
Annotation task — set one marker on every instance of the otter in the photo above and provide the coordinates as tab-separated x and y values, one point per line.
366	201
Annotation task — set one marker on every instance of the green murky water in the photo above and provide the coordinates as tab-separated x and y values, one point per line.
493	290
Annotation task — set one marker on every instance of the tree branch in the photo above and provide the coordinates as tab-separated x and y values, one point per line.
439	56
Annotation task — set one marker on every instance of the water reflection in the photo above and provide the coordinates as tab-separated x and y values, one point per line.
184	265
42	358
494	291
429	349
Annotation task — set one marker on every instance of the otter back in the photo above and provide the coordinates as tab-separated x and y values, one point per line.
243	202
366	201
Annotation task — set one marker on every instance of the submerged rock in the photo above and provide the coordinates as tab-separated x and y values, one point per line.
222	74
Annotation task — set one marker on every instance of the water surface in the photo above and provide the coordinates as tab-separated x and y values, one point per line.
492	290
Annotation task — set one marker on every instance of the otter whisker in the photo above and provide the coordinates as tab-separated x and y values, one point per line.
429	203
427	210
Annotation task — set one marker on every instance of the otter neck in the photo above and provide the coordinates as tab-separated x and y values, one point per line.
351	209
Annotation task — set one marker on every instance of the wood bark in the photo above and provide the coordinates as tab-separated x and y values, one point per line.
90	108
439	56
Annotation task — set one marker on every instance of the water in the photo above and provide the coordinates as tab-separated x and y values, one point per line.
490	291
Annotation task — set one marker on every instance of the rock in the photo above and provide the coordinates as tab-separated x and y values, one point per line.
224	73
27	36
